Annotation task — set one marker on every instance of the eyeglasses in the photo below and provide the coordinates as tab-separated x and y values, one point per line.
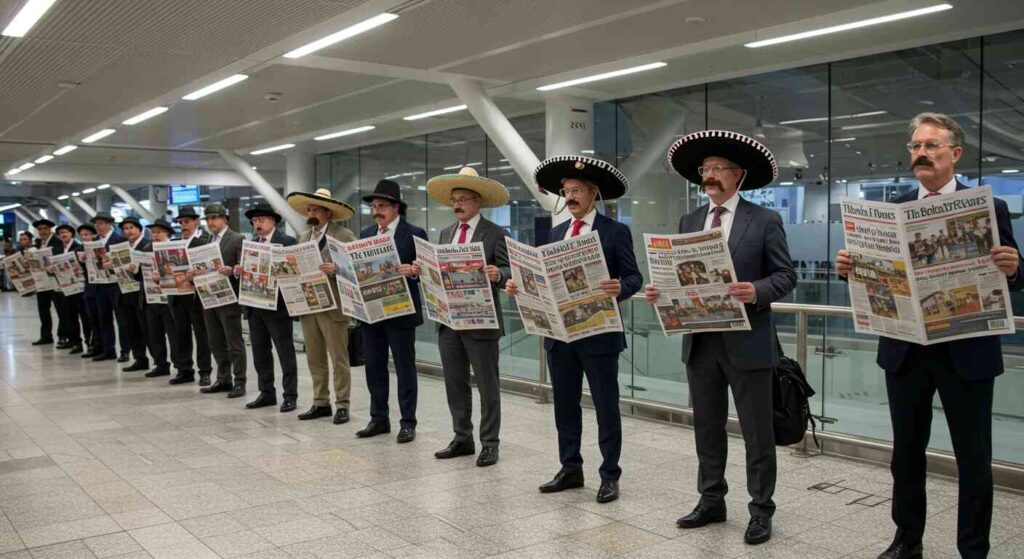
380	205
715	171
574	192
460	201
929	146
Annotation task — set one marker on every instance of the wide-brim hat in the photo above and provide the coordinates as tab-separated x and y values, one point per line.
215	210
300	201
386	190
608	180
88	227
161	223
133	220
102	216
262	209
43	221
688	153
66	226
492	193
186	211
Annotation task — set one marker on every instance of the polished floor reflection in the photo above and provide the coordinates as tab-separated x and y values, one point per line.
97	463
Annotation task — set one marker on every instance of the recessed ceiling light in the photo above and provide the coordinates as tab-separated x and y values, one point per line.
272	149
75	194
103	187
837	117
344	133
604	76
65	149
98	136
44	159
1010	171
217	86
695	20
346	33
145	116
88	191
13	171
436	113
63	197
26	166
848	26
27	17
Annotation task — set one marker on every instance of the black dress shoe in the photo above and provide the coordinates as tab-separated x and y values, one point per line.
759	530
315	412
105	357
563	480
182	378
262	401
43	341
91	353
158	373
204	379
123	358
136	366
373	429
609	491
63	344
237	391
216	387
287	406
488	456
75	349
901	549
341	416
702	515
456	448
406	435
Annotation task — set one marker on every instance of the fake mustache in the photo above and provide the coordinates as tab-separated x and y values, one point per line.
710	182
378	216
312	221
922	161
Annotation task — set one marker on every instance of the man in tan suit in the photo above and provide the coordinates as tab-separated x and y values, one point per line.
326	332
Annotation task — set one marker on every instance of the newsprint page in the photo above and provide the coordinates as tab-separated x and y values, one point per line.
370	286
456	291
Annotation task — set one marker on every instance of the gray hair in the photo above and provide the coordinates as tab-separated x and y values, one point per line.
956	134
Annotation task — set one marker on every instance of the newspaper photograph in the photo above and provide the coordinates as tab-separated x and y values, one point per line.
369	283
456	290
296	260
922	271
38	262
692	272
121	256
95	257
560	288
307	293
151	287
171	261
257	288
68	273
215	288
19	273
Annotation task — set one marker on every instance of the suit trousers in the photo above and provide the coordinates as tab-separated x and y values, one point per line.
459	352
108	298
710	376
78	327
60	303
160	335
133	316
968	409
567	364
224	329
44	299
324	333
377	339
188	320
95	340
266	329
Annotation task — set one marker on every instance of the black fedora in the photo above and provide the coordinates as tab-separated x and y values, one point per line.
130	219
262	209
186	211
69	228
161	223
88	227
102	216
43	221
386	190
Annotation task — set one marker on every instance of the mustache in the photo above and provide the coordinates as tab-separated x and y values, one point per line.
710	182
312	221
460	211
922	161
378	216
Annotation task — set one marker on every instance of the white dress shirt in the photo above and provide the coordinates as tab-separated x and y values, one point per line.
726	218
587	227
391	227
106	237
948	188
267	238
469	232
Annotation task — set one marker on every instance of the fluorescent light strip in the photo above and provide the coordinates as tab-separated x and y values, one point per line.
340	36
27	17
435	113
26	166
10	207
65	149
13	171
214	87
850	139
75	194
43	159
1010	171
344	133
103	187
145	116
454	167
98	136
63	197
849	26
88	191
603	76
272	149
837	117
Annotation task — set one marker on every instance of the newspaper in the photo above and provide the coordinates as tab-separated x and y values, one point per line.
121	256
456	291
258	287
18	272
38	262
214	288
922	271
68	273
145	262
559	288
171	261
304	288
95	256
369	284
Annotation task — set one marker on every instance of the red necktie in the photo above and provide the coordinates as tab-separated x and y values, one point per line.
382	230
716	220
462	235
930	194
576	226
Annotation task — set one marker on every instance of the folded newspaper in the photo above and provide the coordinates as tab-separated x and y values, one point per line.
121	256
922	270
692	272
69	273
304	288
560	292
257	287
171	261
456	291
370	286
19	273
146	263
38	262
95	256
214	288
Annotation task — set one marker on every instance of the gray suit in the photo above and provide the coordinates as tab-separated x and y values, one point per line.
224	324
743	361
462	349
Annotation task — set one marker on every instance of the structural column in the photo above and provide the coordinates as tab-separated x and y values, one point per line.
300	175
104	198
65	212
158	203
27	219
127	197
568	126
89	210
271	195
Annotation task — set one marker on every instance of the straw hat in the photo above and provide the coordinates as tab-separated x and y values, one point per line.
492	193
299	201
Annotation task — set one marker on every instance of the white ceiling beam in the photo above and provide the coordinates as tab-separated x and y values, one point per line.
375	69
64	211
130	174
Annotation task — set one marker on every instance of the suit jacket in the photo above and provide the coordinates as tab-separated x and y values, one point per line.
145	245
974	358
760	255
492	236
53	242
198	239
617	245
278	238
231	252
404	232
343	234
115	238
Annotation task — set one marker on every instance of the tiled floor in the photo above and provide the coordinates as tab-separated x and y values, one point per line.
97	463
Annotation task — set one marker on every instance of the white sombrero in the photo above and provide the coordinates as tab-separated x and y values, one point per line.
688	153
492	193
299	201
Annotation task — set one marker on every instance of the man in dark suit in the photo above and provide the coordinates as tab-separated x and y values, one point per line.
962	371
582	181
46	299
74	317
399	333
108	295
271	328
723	163
467	192
188	313
93	340
224	324
160	331
132	312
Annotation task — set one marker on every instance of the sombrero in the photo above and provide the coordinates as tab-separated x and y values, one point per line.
688	153
299	201
553	170
493	194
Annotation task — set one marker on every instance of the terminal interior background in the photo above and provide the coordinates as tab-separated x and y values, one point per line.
833	110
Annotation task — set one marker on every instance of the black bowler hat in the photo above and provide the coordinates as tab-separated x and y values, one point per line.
88	227
43	221
262	209
386	190
162	224
102	216
133	220
66	226
186	211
